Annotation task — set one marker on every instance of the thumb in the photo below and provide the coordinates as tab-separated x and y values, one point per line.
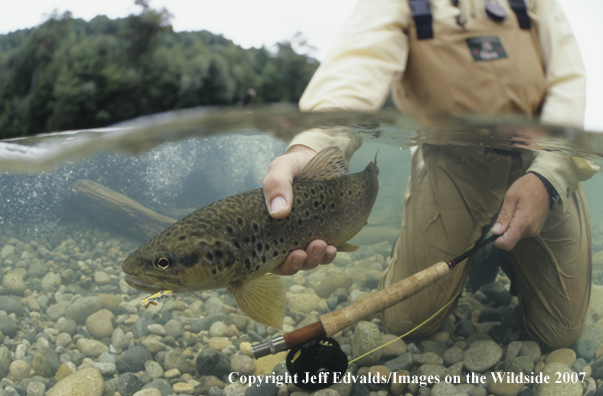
278	192
504	217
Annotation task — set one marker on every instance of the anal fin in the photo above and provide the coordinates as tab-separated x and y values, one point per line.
347	247
262	299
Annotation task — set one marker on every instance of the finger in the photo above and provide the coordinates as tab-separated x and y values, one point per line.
510	237
504	217
292	264
278	192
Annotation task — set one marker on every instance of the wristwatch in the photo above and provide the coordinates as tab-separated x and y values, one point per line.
555	198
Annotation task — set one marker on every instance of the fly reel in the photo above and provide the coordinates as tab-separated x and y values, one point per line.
316	364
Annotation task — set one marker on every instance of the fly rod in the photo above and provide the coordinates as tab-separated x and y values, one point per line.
333	322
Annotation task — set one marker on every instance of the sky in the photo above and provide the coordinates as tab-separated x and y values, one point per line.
253	23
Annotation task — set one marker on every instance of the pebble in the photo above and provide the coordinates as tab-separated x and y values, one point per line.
8	327
13	284
174	359
148	392
19	369
82	308
586	349
218	343
156	329
394	348
563	388
212	362
366	338
136	357
332	282
45	362
305	302
530	349
5	361
11	305
242	364
128	384
564	356
153	369
91	348
452	356
482	355
403	362
35	388
183	387
87	381
100	324
218	329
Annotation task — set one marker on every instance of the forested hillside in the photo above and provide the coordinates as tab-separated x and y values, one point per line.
69	74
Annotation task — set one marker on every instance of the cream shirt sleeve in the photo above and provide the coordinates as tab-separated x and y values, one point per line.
357	75
565	98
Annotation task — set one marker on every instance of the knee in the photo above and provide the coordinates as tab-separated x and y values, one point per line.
553	332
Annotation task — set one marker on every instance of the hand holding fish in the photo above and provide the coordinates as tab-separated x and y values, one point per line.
524	211
279	197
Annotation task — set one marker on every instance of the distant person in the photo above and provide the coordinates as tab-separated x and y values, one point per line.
475	56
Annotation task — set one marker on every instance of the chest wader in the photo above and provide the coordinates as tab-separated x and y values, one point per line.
455	192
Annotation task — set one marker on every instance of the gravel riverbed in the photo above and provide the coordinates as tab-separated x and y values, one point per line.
70	325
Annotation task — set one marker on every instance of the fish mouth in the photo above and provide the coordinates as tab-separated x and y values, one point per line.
142	284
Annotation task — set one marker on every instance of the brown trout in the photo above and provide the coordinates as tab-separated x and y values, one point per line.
234	242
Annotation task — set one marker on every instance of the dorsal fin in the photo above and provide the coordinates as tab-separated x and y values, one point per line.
328	164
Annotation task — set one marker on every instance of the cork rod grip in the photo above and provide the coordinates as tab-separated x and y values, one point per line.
336	321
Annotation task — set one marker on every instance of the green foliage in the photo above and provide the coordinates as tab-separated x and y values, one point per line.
71	74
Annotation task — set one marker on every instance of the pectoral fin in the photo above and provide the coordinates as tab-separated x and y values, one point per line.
347	247
262	299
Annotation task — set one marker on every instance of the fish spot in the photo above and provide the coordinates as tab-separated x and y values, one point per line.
341	194
292	210
259	246
316	204
312	191
214	271
245	240
182	237
321	187
275	253
254	254
268	234
229	229
324	206
257	267
219	255
231	260
349	193
298	201
255	226
267	247
237	244
285	251
299	221
209	256
264	259
218	243
281	240
247	263
322	197
332	205
239	220
253	239
307	213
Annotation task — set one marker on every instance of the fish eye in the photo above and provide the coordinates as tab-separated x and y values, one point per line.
163	262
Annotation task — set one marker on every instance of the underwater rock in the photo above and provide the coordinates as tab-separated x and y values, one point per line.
82	308
8	327
87	381
10	305
100	324
482	355
554	370
91	348
174	359
136	357
304	302
46	362
211	362
13	284
242	364
332	282
564	356
395	348
366	338
5	360
586	349
153	369
128	384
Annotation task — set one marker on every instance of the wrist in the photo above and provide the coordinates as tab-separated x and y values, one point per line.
553	194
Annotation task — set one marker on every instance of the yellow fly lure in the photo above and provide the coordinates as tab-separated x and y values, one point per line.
153	298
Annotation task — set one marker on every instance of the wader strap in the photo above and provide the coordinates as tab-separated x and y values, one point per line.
421	13
520	10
